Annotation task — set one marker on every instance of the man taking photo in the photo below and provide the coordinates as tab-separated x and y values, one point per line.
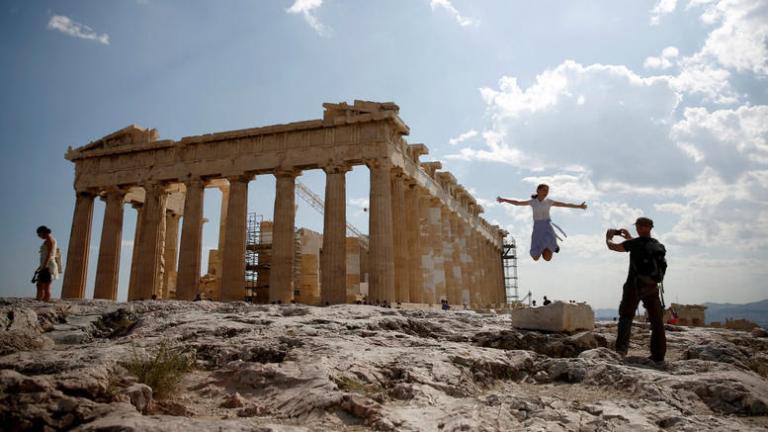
647	265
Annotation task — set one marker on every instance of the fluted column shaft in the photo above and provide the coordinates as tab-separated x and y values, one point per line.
147	267
382	265
415	280
454	295
139	207
399	242
333	261
188	281
108	267
283	237
466	267
170	254
490	290
477	273
438	254
79	242
451	284
425	251
233	259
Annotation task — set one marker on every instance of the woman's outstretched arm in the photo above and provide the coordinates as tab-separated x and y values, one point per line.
513	202
582	206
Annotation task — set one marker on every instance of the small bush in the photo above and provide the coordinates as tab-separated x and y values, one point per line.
163	372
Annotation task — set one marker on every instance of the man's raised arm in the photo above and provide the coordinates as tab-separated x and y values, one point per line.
618	247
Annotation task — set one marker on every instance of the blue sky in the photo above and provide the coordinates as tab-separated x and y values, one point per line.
638	107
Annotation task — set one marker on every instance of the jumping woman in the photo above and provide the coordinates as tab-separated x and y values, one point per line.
543	239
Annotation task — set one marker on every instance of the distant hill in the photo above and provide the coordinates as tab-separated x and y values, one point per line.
756	311
606	314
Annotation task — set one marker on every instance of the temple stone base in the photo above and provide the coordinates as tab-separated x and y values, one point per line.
555	317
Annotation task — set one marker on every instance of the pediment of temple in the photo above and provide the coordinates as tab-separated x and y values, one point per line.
130	136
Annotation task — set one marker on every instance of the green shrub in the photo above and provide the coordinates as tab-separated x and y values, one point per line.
163	371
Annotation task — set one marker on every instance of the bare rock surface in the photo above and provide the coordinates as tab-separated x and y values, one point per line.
356	367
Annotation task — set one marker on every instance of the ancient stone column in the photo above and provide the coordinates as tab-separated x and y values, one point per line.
139	207
415	280
466	262
451	284
477	272
333	260
382	265
216	259
187	284
108	267
148	260
159	287
233	260
425	251
438	255
171	248
79	243
399	242
283	237
455	295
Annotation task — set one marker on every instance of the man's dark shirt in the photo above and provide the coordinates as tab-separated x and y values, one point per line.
635	247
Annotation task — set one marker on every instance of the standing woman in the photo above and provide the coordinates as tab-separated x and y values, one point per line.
48	269
543	239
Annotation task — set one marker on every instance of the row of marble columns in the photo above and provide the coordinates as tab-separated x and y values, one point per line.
419	251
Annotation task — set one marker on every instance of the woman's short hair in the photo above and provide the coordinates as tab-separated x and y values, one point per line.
42	229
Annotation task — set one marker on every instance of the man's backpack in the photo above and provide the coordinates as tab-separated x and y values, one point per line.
650	261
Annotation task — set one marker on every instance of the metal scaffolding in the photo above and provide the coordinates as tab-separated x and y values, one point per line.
316	202
257	252
509	263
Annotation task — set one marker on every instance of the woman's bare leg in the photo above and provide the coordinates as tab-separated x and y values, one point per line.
547	254
47	292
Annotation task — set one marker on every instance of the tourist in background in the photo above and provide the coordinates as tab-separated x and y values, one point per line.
48	270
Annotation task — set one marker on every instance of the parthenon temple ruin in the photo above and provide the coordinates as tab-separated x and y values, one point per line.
426	242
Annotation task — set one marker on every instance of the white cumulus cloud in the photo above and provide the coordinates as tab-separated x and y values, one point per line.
547	125
75	29
662	7
463	137
664	61
448	6
739	41
306	9
728	140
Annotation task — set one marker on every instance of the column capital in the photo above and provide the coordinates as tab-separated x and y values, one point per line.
114	192
86	193
377	163
154	186
398	173
240	178
194	181
287	172
336	167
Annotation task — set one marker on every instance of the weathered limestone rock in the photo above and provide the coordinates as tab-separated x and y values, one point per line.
356	367
556	317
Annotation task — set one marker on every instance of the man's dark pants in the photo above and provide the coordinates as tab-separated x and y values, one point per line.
648	293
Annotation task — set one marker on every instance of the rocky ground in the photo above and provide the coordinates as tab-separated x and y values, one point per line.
353	367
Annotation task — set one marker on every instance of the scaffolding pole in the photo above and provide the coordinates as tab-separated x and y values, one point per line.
509	263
